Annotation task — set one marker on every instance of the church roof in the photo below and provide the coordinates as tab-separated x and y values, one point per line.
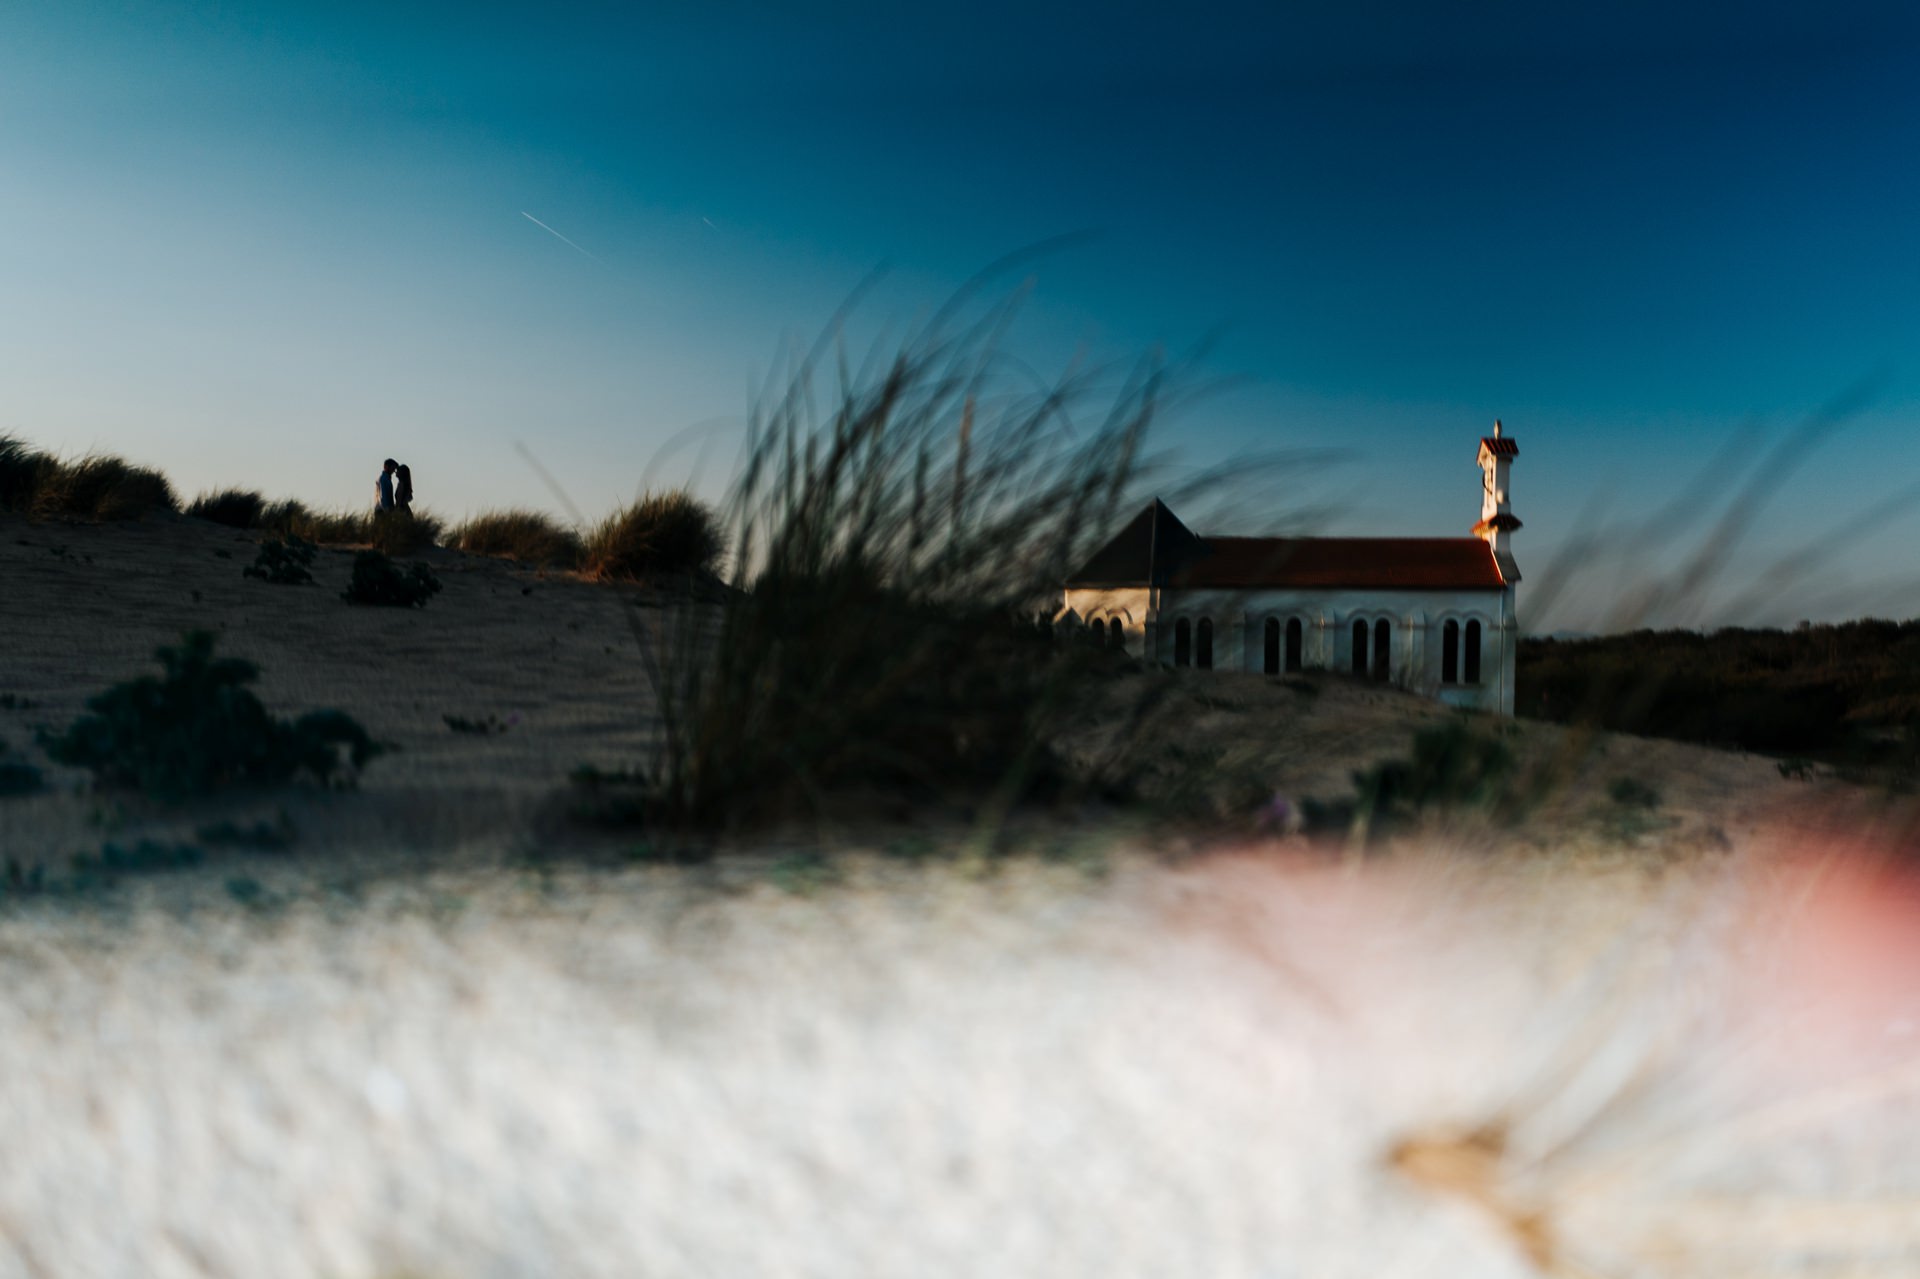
1153	542
1343	563
1156	549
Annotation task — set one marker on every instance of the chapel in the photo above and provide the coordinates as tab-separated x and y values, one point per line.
1434	615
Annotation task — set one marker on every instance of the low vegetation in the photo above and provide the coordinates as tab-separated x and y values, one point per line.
197	728
17	777
529	537
891	544
1456	764
234	508
286	561
661	535
1846	694
394	533
95	487
377	580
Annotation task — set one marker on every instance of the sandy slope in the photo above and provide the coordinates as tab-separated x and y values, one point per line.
1557	1049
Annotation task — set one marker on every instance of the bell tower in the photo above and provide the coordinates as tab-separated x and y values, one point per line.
1497	520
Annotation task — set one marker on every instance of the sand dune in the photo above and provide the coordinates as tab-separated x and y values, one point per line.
413	1046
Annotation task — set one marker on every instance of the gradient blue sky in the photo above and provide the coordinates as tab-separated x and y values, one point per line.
270	244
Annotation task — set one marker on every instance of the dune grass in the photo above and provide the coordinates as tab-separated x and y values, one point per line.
892	550
394	533
529	537
233	508
20	468
97	486
662	534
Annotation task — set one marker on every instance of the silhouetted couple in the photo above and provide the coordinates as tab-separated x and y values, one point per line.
394	489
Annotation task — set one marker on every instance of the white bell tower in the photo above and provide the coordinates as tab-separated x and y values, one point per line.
1497	520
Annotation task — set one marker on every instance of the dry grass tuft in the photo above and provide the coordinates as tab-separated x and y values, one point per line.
234	508
97	487
21	467
395	533
892	540
530	537
663	534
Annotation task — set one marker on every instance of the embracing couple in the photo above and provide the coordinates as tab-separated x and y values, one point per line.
394	489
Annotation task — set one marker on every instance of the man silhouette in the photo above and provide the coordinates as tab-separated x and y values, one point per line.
383	487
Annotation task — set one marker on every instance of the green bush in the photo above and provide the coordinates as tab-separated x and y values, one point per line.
198	727
529	537
18	777
1451	766
234	508
378	580
283	561
1630	792
667	534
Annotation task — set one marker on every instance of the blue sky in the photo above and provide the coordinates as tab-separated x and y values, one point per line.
270	244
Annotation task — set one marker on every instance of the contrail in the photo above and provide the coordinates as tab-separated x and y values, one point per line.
555	234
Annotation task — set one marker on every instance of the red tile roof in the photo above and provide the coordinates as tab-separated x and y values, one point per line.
1156	549
1500	445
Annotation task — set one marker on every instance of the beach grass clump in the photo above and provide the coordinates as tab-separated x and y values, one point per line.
197	727
391	533
529	537
892	541
21	471
403	532
102	487
233	508
661	535
96	487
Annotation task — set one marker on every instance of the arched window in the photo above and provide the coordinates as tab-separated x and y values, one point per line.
1116	638
1473	653
1450	653
1183	643
1097	633
1271	644
1296	644
1203	645
1382	648
1359	648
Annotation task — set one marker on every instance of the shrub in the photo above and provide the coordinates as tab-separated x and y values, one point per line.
1451	766
261	836
198	727
283	561
378	580
662	534
234	508
1631	792
527	536
18	777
